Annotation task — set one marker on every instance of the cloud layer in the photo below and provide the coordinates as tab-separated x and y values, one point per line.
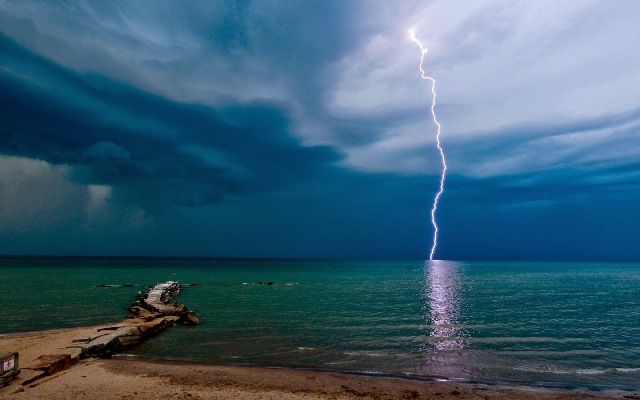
296	128
152	151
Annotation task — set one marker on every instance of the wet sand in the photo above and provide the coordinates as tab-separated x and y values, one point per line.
99	379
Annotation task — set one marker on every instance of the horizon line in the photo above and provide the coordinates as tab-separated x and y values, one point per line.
311	258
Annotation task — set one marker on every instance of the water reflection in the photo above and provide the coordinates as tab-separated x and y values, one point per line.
442	296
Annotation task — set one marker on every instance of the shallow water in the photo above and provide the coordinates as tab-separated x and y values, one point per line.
557	324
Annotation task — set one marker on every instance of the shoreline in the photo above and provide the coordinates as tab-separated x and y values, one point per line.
387	375
103	379
142	378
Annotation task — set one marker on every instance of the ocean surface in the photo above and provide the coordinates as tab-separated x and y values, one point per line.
552	324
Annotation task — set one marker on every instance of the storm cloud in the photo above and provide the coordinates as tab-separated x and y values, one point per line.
288	128
152	151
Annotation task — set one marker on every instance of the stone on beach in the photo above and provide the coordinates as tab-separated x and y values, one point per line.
52	363
73	352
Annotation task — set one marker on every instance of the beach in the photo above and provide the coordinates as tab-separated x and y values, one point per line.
123	378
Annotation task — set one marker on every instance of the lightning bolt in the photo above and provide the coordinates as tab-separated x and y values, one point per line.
443	174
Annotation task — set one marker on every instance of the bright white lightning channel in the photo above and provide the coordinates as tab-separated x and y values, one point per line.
443	174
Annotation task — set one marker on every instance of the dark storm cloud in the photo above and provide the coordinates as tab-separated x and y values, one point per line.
152	150
168	105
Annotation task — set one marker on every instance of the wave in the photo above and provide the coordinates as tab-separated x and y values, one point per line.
580	371
367	354
115	285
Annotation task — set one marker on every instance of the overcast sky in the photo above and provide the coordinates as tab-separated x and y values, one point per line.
302	128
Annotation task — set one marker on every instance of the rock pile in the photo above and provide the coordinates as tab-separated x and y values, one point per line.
156	301
153	314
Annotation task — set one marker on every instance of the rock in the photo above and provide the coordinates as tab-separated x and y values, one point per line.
121	338
152	327
127	331
73	352
52	363
137	310
159	294
126	341
30	375
144	313
153	313
189	318
179	309
109	328
133	321
103	346
156	304
87	338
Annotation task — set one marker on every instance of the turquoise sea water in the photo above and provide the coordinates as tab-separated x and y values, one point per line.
556	324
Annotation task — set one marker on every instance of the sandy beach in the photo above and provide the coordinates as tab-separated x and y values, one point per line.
116	378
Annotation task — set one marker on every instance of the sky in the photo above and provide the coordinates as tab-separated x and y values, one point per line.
302	129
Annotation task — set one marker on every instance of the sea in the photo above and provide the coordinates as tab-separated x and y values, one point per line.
569	324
